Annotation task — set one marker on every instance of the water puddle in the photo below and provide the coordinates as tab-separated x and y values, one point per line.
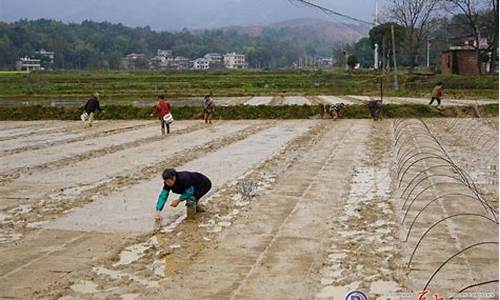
119	275
5	238
85	287
135	252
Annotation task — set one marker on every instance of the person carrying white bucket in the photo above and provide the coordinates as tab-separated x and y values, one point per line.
89	110
164	112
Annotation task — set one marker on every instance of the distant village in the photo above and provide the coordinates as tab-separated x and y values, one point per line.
164	60
460	58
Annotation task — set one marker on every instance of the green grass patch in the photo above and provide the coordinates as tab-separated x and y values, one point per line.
129	112
121	85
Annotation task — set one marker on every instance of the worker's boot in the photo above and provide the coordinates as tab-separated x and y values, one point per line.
191	208
200	208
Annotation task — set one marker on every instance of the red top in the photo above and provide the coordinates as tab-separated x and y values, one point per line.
162	108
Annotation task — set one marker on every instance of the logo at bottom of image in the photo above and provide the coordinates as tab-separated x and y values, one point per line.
356	295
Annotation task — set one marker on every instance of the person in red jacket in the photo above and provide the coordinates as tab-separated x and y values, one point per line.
162	109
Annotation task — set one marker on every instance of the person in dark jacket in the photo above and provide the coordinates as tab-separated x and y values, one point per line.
375	108
90	109
191	186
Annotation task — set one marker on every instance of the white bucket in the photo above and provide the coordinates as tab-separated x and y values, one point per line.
168	118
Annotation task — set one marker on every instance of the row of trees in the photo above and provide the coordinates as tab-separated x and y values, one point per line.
440	23
93	45
475	18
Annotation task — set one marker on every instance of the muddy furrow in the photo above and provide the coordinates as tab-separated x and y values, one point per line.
363	253
109	213
270	139
58	156
274	236
84	181
50	139
464	144
191	235
440	215
9	128
43	129
56	127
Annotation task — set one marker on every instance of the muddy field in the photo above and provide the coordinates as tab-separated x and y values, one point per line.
308	209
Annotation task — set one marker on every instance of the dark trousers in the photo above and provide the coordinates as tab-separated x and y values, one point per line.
163	125
202	189
199	191
434	98
375	108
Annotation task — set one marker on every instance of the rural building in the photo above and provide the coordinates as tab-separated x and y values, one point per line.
164	53
46	59
214	57
201	64
28	64
135	62
235	61
163	60
462	59
180	63
45	55
215	60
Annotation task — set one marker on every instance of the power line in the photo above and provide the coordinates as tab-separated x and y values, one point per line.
330	11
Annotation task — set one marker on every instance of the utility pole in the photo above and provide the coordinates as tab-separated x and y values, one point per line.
375	53
428	53
346	56
396	83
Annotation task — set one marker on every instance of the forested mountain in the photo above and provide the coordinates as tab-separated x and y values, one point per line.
102	44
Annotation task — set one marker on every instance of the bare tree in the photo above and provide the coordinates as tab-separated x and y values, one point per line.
415	17
474	12
491	24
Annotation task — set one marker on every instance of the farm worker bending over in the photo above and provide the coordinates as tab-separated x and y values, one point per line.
89	110
162	109
190	185
208	109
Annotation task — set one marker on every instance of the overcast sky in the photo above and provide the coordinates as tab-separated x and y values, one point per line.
178	14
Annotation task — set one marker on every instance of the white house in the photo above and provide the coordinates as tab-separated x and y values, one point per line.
180	63
163	59
235	61
214	58
201	64
28	64
48	55
164	53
